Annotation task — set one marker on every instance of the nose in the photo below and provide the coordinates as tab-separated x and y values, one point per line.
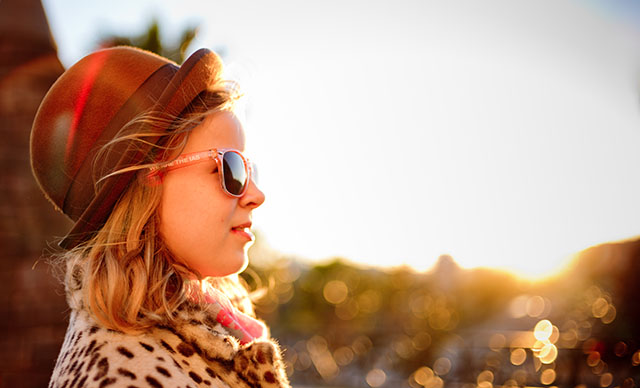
253	197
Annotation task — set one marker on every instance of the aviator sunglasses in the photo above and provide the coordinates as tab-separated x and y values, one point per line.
234	169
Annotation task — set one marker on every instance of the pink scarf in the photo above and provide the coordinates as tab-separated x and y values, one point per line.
239	324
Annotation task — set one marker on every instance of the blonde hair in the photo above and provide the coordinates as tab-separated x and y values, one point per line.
125	275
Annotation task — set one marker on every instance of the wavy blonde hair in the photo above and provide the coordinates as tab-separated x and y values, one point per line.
125	275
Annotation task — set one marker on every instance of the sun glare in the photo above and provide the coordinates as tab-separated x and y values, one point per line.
529	268
486	187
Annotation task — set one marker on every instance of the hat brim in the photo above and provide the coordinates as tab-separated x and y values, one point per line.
200	71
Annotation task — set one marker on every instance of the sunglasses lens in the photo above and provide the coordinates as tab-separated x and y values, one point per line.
235	174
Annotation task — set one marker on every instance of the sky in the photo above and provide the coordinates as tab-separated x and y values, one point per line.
503	133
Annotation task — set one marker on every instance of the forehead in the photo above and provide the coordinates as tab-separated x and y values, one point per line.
218	130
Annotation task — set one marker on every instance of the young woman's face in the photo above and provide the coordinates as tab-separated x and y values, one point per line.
201	225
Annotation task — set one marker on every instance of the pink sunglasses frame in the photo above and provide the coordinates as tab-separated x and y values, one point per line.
217	154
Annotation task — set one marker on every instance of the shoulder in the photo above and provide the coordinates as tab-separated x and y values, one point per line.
191	353
92	356
203	345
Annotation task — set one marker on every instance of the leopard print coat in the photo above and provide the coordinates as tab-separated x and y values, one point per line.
194	351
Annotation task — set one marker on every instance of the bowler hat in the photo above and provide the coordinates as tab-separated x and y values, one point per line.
89	105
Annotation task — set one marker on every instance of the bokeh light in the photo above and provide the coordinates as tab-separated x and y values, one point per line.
548	354
423	375
548	376
442	366
335	291
535	306
600	307
485	376
543	330
635	360
322	359
518	356
376	377
606	379
344	355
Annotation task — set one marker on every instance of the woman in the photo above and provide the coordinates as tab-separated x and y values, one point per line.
146	158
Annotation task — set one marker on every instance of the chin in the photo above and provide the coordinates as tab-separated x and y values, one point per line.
232	266
242	268
244	263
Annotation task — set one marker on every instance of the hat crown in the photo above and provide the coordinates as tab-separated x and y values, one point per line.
88	106
75	112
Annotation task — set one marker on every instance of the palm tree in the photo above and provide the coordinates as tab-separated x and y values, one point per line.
151	40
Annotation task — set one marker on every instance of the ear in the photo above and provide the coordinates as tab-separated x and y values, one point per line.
151	178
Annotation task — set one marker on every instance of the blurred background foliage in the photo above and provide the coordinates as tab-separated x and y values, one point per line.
151	40
342	325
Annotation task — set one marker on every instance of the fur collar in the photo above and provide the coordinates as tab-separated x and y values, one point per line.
194	350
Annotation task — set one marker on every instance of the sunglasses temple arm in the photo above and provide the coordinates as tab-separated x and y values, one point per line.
187	160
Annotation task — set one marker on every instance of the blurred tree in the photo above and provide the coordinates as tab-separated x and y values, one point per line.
151	40
451	326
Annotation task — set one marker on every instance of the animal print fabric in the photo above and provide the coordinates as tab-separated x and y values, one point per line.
194	351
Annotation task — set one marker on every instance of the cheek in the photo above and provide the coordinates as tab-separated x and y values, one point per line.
178	208
193	216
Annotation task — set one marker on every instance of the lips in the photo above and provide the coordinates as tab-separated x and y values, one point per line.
246	225
243	230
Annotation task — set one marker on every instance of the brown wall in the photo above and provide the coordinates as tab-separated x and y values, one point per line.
32	306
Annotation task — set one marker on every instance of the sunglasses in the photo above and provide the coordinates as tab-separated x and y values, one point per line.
234	169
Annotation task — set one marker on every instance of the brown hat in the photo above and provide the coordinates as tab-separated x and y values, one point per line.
87	107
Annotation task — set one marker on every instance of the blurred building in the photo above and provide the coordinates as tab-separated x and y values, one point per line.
32	307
